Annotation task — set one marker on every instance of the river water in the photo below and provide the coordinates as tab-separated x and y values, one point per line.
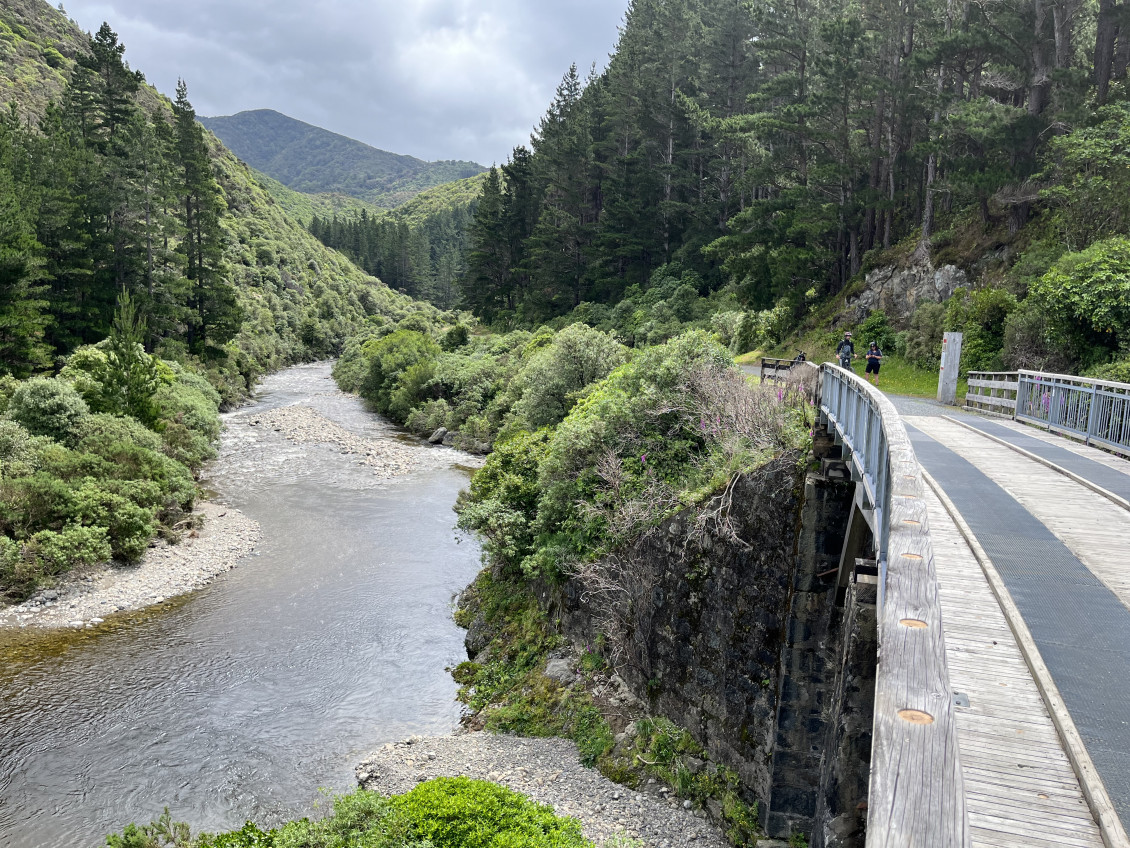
242	700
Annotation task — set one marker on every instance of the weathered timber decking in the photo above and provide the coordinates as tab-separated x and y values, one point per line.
1092	528
1059	550
1020	788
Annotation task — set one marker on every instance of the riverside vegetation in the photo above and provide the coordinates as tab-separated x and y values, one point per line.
146	280
592	445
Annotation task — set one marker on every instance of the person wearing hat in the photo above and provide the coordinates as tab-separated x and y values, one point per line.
846	351
874	360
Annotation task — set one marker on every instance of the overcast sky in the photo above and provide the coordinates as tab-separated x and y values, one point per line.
437	79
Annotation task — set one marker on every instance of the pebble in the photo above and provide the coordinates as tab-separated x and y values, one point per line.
548	771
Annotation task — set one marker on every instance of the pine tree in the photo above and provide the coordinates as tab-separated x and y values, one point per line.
214	314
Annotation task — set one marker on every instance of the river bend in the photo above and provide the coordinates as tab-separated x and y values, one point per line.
243	699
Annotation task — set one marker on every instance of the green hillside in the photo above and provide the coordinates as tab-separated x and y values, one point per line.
36	53
315	161
304	207
93	190
770	157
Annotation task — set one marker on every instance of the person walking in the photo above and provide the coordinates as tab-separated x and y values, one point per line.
874	360
846	351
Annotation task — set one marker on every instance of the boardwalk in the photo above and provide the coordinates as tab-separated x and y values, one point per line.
1059	546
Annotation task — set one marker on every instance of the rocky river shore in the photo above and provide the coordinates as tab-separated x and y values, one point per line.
548	771
386	457
86	597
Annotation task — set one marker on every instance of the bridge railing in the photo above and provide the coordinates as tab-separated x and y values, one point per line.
917	794
1096	411
993	391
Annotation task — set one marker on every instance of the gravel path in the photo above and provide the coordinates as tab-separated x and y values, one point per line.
85	598
548	771
386	456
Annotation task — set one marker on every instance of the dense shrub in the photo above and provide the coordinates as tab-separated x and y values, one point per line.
876	328
1032	340
457	812
102	428
446	812
47	407
922	341
665	429
1116	372
554	377
97	485
1091	288
399	366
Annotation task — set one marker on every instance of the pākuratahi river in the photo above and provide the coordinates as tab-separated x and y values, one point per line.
243	700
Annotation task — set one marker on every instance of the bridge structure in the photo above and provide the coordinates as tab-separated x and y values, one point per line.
1002	553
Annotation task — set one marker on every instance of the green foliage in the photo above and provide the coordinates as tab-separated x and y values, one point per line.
876	328
922	342
502	501
400	365
1089	171
1091	287
47	407
1033	340
457	812
161	833
248	836
555	376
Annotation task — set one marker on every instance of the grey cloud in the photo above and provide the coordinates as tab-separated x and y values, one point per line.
438	79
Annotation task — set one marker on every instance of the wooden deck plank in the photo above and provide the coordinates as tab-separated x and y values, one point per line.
1092	528
1010	752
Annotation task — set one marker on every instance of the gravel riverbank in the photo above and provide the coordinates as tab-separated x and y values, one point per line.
85	598
386	457
548	771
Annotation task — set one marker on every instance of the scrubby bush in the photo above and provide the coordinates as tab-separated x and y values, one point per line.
458	812
665	429
1091	288
876	328
1033	341
102	428
390	368
923	339
554	377
1116	372
19	450
47	407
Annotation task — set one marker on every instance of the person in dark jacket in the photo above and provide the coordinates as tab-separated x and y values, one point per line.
846	351
874	360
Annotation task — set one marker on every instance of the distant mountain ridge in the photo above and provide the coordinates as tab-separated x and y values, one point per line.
313	160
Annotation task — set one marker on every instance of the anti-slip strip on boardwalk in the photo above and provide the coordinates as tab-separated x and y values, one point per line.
1101	475
1081	629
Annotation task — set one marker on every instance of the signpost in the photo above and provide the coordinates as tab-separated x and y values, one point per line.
951	367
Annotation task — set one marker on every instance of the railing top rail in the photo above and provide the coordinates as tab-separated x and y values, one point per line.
995	373
917	793
1070	378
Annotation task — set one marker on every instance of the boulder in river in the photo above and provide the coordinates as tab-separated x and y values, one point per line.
437	437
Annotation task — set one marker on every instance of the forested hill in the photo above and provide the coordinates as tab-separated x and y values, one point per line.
314	161
779	150
110	189
420	248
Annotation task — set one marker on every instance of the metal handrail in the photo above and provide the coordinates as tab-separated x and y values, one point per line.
1096	411
917	793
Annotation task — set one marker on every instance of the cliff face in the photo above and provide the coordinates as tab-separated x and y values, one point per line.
898	291
701	618
724	619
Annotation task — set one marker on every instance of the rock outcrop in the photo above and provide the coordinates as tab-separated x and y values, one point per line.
898	291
